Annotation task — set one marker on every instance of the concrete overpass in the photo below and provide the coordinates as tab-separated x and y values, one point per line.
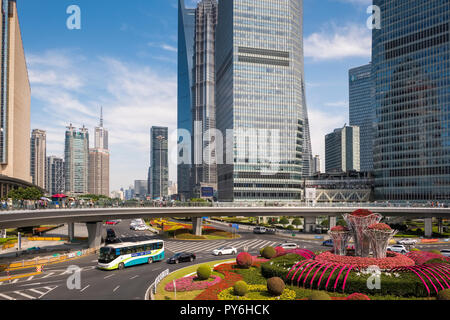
94	217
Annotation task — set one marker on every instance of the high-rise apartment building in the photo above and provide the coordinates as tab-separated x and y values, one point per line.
342	150
55	175
76	161
158	181
99	162
411	68
15	97
204	106
38	153
362	111
186	30
260	96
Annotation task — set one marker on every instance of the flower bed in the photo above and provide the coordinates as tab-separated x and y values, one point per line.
391	261
229	280
191	284
421	257
256	292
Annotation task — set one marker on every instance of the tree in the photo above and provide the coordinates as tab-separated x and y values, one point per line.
284	221
297	222
32	193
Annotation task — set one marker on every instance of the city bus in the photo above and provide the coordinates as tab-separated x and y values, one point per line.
119	256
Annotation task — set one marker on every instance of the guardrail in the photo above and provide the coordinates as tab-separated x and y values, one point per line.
151	291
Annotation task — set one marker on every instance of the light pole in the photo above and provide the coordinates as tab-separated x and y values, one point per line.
160	139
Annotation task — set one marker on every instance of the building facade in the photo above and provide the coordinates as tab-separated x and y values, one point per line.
362	111
342	150
158	181
316	164
99	162
260	100
15	103
186	30
55	175
204	107
140	189
38	156
76	161
411	70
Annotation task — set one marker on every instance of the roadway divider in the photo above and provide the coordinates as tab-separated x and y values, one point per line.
151	291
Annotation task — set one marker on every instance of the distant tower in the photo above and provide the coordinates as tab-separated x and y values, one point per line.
76	160
38	149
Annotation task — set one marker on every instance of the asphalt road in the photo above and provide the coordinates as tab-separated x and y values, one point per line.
130	283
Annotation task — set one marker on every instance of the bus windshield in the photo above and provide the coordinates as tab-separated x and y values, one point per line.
106	255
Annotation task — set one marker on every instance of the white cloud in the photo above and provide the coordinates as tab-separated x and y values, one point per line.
339	42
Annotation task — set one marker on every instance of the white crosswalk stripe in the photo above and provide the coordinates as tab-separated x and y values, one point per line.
24	295
28	294
6	297
196	247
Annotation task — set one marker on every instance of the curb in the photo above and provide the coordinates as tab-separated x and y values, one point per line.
20	276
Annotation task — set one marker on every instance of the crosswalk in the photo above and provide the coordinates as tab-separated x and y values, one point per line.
196	247
27	294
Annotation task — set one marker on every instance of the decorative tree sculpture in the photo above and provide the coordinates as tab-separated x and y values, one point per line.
341	236
358	222
379	234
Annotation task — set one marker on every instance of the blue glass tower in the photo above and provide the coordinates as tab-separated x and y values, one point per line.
411	69
186	28
362	112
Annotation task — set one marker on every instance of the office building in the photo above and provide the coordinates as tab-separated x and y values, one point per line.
55	175
362	111
76	161
186	26
99	162
316	165
342	150
15	102
158	181
140	189
204	106
38	153
411	68
260	96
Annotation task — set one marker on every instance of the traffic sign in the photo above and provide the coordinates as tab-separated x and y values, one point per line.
39	268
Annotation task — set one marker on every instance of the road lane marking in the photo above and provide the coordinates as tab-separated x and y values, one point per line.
85	288
30	278
6	297
24	295
48	275
37	291
108	276
15	280
116	288
133	277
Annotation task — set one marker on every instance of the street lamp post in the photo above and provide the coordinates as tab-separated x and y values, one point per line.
160	139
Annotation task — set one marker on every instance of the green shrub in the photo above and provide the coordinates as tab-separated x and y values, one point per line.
414	249
444	295
203	272
240	288
275	286
279	267
261	252
435	252
269	252
437	260
319	295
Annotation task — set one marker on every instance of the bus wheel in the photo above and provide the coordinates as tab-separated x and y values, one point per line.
121	266
150	260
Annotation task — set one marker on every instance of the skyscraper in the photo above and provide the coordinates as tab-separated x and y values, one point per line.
38	151
342	150
76	161
204	106
140	189
411	68
158	181
316	164
362	111
55	175
99	162
15	100
186	26
260	95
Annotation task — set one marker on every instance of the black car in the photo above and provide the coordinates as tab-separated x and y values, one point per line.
182	257
110	236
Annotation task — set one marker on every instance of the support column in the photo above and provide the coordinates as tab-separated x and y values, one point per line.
71	231
3	233
331	222
428	227
440	226
197	226
309	225
94	234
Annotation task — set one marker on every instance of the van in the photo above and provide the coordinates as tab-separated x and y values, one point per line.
259	230
110	236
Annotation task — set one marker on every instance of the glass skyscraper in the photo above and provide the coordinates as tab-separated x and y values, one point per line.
342	150
411	69
260	95
76	161
186	26
158	180
362	111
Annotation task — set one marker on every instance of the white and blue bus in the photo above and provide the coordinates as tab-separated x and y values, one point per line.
119	256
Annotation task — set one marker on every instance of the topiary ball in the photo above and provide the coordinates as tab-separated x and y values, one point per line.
240	288
357	296
244	260
319	295
444	295
203	272
269	252
275	286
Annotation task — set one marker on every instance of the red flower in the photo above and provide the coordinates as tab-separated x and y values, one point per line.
362	213
391	261
339	229
229	280
357	296
380	226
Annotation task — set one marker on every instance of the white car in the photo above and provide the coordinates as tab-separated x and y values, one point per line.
410	242
445	252
224	250
399	248
139	227
137	222
288	245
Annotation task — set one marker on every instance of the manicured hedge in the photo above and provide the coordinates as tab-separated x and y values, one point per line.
280	266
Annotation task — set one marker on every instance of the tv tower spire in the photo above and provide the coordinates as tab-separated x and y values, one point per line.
101	116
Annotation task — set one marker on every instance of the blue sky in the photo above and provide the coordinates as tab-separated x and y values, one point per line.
125	59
